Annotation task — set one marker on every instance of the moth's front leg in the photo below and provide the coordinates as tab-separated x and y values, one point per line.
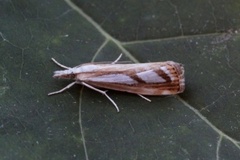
65	88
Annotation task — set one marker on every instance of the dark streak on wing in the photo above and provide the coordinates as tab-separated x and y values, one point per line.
136	78
163	75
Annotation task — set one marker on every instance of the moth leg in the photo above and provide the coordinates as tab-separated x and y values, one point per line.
59	64
65	88
100	91
117	59
144	97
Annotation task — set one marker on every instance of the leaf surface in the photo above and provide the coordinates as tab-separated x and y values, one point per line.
201	123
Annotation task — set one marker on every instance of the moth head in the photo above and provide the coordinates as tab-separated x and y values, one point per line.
64	74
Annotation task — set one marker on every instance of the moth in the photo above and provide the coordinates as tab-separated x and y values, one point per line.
155	79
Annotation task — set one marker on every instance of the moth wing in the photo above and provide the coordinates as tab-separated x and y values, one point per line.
112	78
146	79
106	62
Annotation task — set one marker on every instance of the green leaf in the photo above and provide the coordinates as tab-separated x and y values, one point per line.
201	123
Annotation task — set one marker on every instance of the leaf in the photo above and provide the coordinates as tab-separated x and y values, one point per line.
201	123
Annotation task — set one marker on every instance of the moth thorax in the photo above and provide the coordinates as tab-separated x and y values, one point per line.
64	74
67	76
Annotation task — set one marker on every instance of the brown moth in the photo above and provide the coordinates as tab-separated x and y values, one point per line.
155	79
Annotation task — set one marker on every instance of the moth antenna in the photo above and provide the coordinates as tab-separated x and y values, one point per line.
117	59
59	64
100	91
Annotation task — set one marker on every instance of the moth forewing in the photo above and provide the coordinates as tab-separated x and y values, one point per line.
158	78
